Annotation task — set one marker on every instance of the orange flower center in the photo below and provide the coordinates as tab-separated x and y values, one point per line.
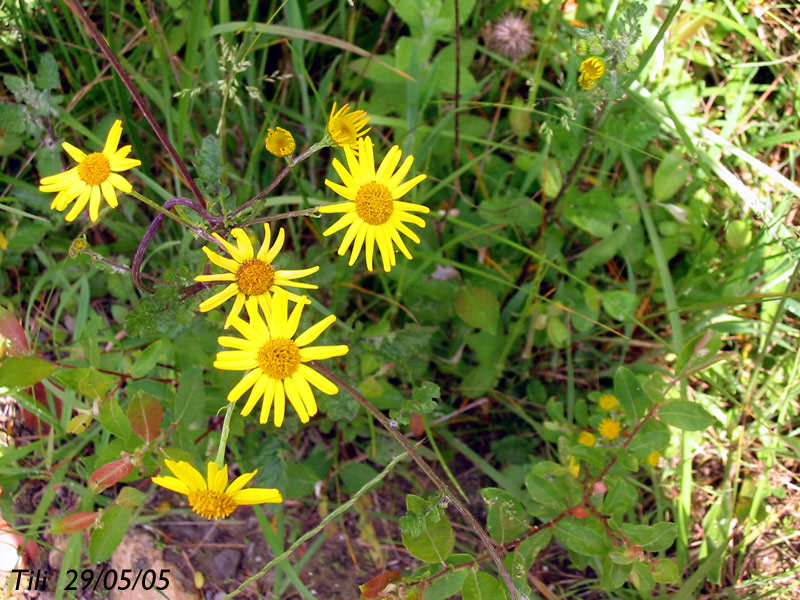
94	169
211	504
374	203
279	358
255	277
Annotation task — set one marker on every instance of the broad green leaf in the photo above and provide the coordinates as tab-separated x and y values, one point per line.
652	538
670	175
686	415
666	571
630	394
431	539
447	586
19	372
87	381
619	498
653	436
641	578
544	491
114	419
190	397
584	536
149	358
478	307
482	586
614	574
47	77
557	332
506	519
594	211
620	304
354	475
107	536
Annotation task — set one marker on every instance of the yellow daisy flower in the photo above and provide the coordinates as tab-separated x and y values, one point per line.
279	142
213	498
372	211
95	176
609	429
586	438
654	458
252	277
574	467
586	82
346	126
274	361
593	67
608	402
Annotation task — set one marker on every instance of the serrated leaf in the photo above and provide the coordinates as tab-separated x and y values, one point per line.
685	415
12	116
110	474
144	414
18	372
478	307
105	538
46	77
422	398
75	522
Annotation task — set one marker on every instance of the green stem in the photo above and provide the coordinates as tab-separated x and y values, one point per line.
223	440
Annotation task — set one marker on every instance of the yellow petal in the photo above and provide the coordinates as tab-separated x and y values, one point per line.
109	194
119	182
276	247
245	383
262	252
313	332
319	381
306	395
112	140
257	496
241	481
344	221
238	343
187	473
220	261
257	392
244	243
219	298
230	248
388	165
216	277
322	352
369	246
80	204
294	397
171	483
75	153
403	189
94	203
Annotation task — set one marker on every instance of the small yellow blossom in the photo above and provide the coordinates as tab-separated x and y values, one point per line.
609	429
212	497
586	83
279	142
608	402
586	438
93	179
654	459
593	67
346	126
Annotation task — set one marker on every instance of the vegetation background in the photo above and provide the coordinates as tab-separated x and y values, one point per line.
637	239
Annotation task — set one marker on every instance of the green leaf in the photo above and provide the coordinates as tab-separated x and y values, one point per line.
12	116
594	211
150	357
557	332
584	536
631	395
620	497
641	578
506	519
652	538
482	586
46	77
422	398
87	381
107	536
354	475
427	534
113	418
478	307
544	491
190	397
685	415
620	304
19	372
653	436
670	175
666	571
447	585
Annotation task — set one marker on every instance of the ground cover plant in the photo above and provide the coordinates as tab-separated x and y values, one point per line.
399	299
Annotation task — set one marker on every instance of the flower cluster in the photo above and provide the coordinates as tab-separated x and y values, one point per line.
277	361
592	69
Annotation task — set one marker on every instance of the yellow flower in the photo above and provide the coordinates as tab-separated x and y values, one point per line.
593	68
95	176
654	459
609	429
214	498
252	277
586	438
279	142
608	402
346	127
372	211
586	82
574	467
274	361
